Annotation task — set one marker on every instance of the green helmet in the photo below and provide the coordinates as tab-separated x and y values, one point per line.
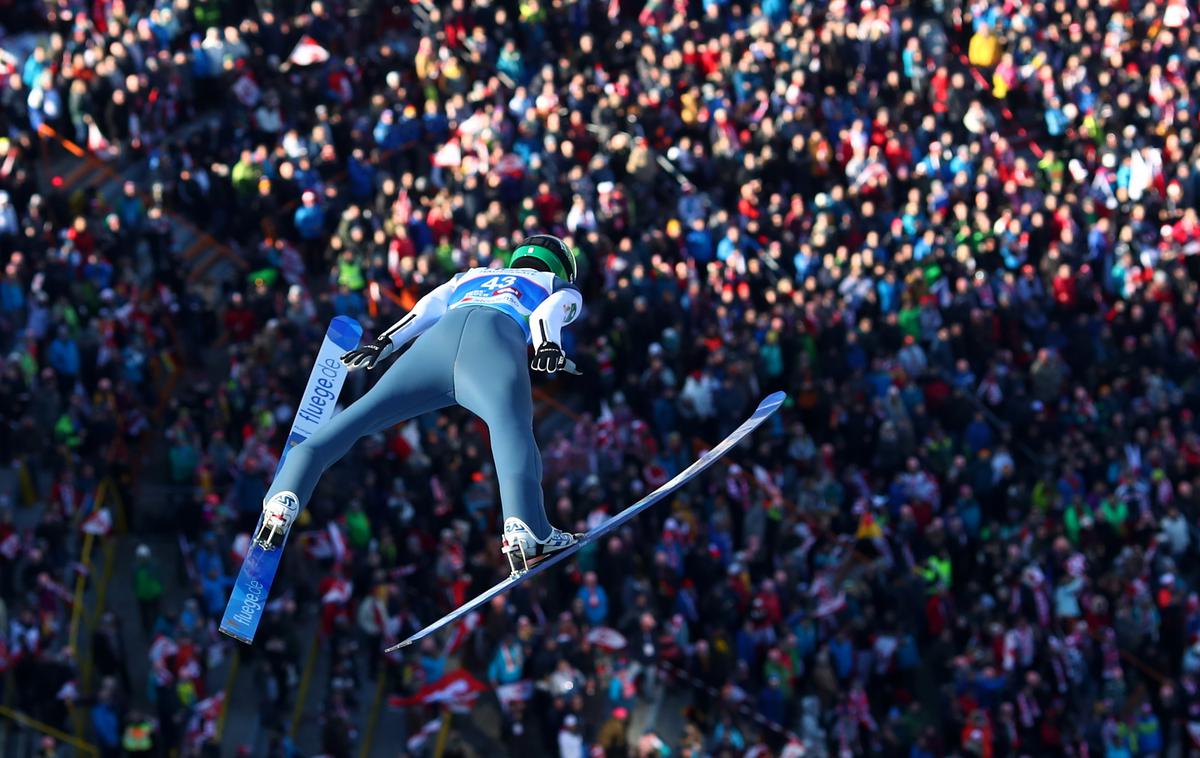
550	251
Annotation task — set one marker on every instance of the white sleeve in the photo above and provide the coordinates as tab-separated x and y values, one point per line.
423	315
555	312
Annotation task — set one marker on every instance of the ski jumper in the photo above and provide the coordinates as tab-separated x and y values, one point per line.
471	336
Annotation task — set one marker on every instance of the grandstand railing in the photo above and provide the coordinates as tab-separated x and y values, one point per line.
90	164
22	728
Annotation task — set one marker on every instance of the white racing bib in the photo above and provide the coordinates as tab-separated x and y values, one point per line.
514	291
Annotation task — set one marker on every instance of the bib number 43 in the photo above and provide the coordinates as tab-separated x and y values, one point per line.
498	282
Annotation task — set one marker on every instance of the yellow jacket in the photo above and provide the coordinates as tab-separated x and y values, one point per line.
984	49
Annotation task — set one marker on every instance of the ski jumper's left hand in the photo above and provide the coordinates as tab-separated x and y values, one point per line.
548	357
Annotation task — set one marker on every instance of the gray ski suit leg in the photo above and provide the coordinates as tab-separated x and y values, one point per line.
473	357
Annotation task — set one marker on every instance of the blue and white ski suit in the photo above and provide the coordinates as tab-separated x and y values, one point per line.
471	350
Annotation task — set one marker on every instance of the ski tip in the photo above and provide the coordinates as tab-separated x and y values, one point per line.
399	645
775	399
345	331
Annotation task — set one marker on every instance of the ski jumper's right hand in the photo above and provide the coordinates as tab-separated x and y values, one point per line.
366	356
422	316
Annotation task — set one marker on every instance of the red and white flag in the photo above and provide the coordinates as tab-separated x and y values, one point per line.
161	651
654	475
247	91
418	740
794	749
307	52
517	692
202	726
241	546
48	584
463	631
210	708
457	690
339	591
100	523
69	692
448	155
607	638
341	546
511	165
1176	14
764	480
10	547
329	543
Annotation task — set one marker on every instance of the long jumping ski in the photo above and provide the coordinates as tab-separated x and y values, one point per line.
248	599
768	406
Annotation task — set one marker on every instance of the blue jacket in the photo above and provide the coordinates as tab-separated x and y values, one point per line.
507	669
595	604
699	245
512	65
349	304
362	178
31	71
842	655
435	126
131	211
106	724
408	130
12	297
385	135
64	356
309	220
215	591
726	247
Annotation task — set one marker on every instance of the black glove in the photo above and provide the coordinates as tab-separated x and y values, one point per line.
549	358
369	354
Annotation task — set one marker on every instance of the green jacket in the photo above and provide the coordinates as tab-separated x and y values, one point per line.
936	574
147	587
245	177
358	529
350	275
1115	512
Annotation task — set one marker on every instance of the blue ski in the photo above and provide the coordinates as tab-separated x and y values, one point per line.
769	405
248	599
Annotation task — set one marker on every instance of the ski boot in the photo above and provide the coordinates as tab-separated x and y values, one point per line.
522	548
278	514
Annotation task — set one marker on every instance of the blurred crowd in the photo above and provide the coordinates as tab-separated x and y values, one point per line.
85	353
961	236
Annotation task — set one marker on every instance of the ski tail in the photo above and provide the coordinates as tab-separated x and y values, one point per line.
248	598
765	409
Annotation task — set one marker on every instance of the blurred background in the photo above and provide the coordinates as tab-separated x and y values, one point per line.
961	235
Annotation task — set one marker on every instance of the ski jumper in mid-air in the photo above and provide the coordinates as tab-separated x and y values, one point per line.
471	336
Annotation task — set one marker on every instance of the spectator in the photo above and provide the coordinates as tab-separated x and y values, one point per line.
595	600
984	49
570	742
147	586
